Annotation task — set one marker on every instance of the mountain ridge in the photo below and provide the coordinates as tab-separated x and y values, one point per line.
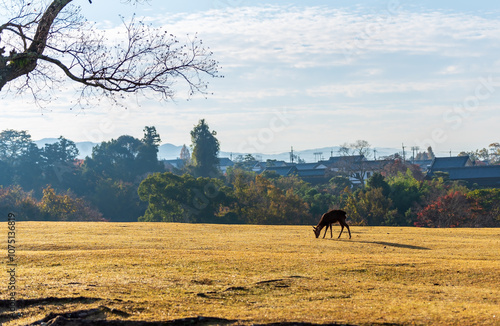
170	151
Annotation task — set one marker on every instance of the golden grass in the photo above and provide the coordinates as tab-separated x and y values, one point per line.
163	271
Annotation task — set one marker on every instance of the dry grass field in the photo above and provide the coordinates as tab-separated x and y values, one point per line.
255	274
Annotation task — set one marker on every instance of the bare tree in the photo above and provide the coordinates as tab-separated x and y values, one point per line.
353	162
46	42
358	148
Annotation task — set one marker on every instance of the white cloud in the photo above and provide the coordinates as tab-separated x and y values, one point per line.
374	75
356	89
310	36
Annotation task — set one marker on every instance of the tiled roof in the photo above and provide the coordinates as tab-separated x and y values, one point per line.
449	162
281	170
224	161
473	172
344	159
311	173
309	166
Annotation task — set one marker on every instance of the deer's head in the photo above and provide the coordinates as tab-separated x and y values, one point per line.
317	231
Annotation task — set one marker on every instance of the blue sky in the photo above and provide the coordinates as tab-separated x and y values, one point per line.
309	74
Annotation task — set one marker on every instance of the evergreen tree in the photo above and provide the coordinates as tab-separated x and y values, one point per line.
147	158
206	148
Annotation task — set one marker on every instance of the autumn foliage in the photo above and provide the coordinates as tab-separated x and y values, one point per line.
457	209
52	206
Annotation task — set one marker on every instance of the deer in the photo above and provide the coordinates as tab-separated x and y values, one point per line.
328	219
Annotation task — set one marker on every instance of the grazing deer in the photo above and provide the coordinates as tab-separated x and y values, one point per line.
328	219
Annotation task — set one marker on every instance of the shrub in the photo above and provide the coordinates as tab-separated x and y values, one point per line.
451	210
15	200
67	207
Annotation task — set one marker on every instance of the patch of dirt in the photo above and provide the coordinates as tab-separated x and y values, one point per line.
24	303
105	316
97	317
285	282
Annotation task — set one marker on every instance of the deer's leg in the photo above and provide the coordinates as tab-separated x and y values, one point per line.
331	231
341	230
347	226
343	223
326	230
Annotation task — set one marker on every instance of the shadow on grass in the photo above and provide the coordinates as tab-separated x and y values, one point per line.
392	244
98	317
23	303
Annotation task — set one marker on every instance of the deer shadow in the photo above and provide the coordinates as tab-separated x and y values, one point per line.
392	244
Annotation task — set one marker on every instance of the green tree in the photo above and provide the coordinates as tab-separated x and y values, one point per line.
6	172
59	163
485	204
173	198
62	151
117	200
147	158
261	202
377	180
319	202
13	145
29	171
337	184
406	193
116	159
370	207
205	152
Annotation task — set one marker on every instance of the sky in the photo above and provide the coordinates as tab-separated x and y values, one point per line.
307	74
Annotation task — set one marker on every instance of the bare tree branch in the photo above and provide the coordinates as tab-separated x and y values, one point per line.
144	59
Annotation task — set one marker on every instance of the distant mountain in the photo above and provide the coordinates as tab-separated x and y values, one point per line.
310	155
41	143
84	147
170	151
165	151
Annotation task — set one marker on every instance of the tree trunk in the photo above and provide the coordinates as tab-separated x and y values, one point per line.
18	64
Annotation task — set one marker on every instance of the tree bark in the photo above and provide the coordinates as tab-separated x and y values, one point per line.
17	64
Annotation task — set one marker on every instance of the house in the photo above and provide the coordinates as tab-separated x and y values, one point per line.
260	167
177	164
225	163
461	168
171	165
281	170
310	166
356	167
450	162
483	176
424	165
313	173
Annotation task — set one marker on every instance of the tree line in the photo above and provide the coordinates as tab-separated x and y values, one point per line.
399	199
103	185
123	180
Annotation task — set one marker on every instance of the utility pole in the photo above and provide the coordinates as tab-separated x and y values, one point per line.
291	155
374	154
414	148
404	157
